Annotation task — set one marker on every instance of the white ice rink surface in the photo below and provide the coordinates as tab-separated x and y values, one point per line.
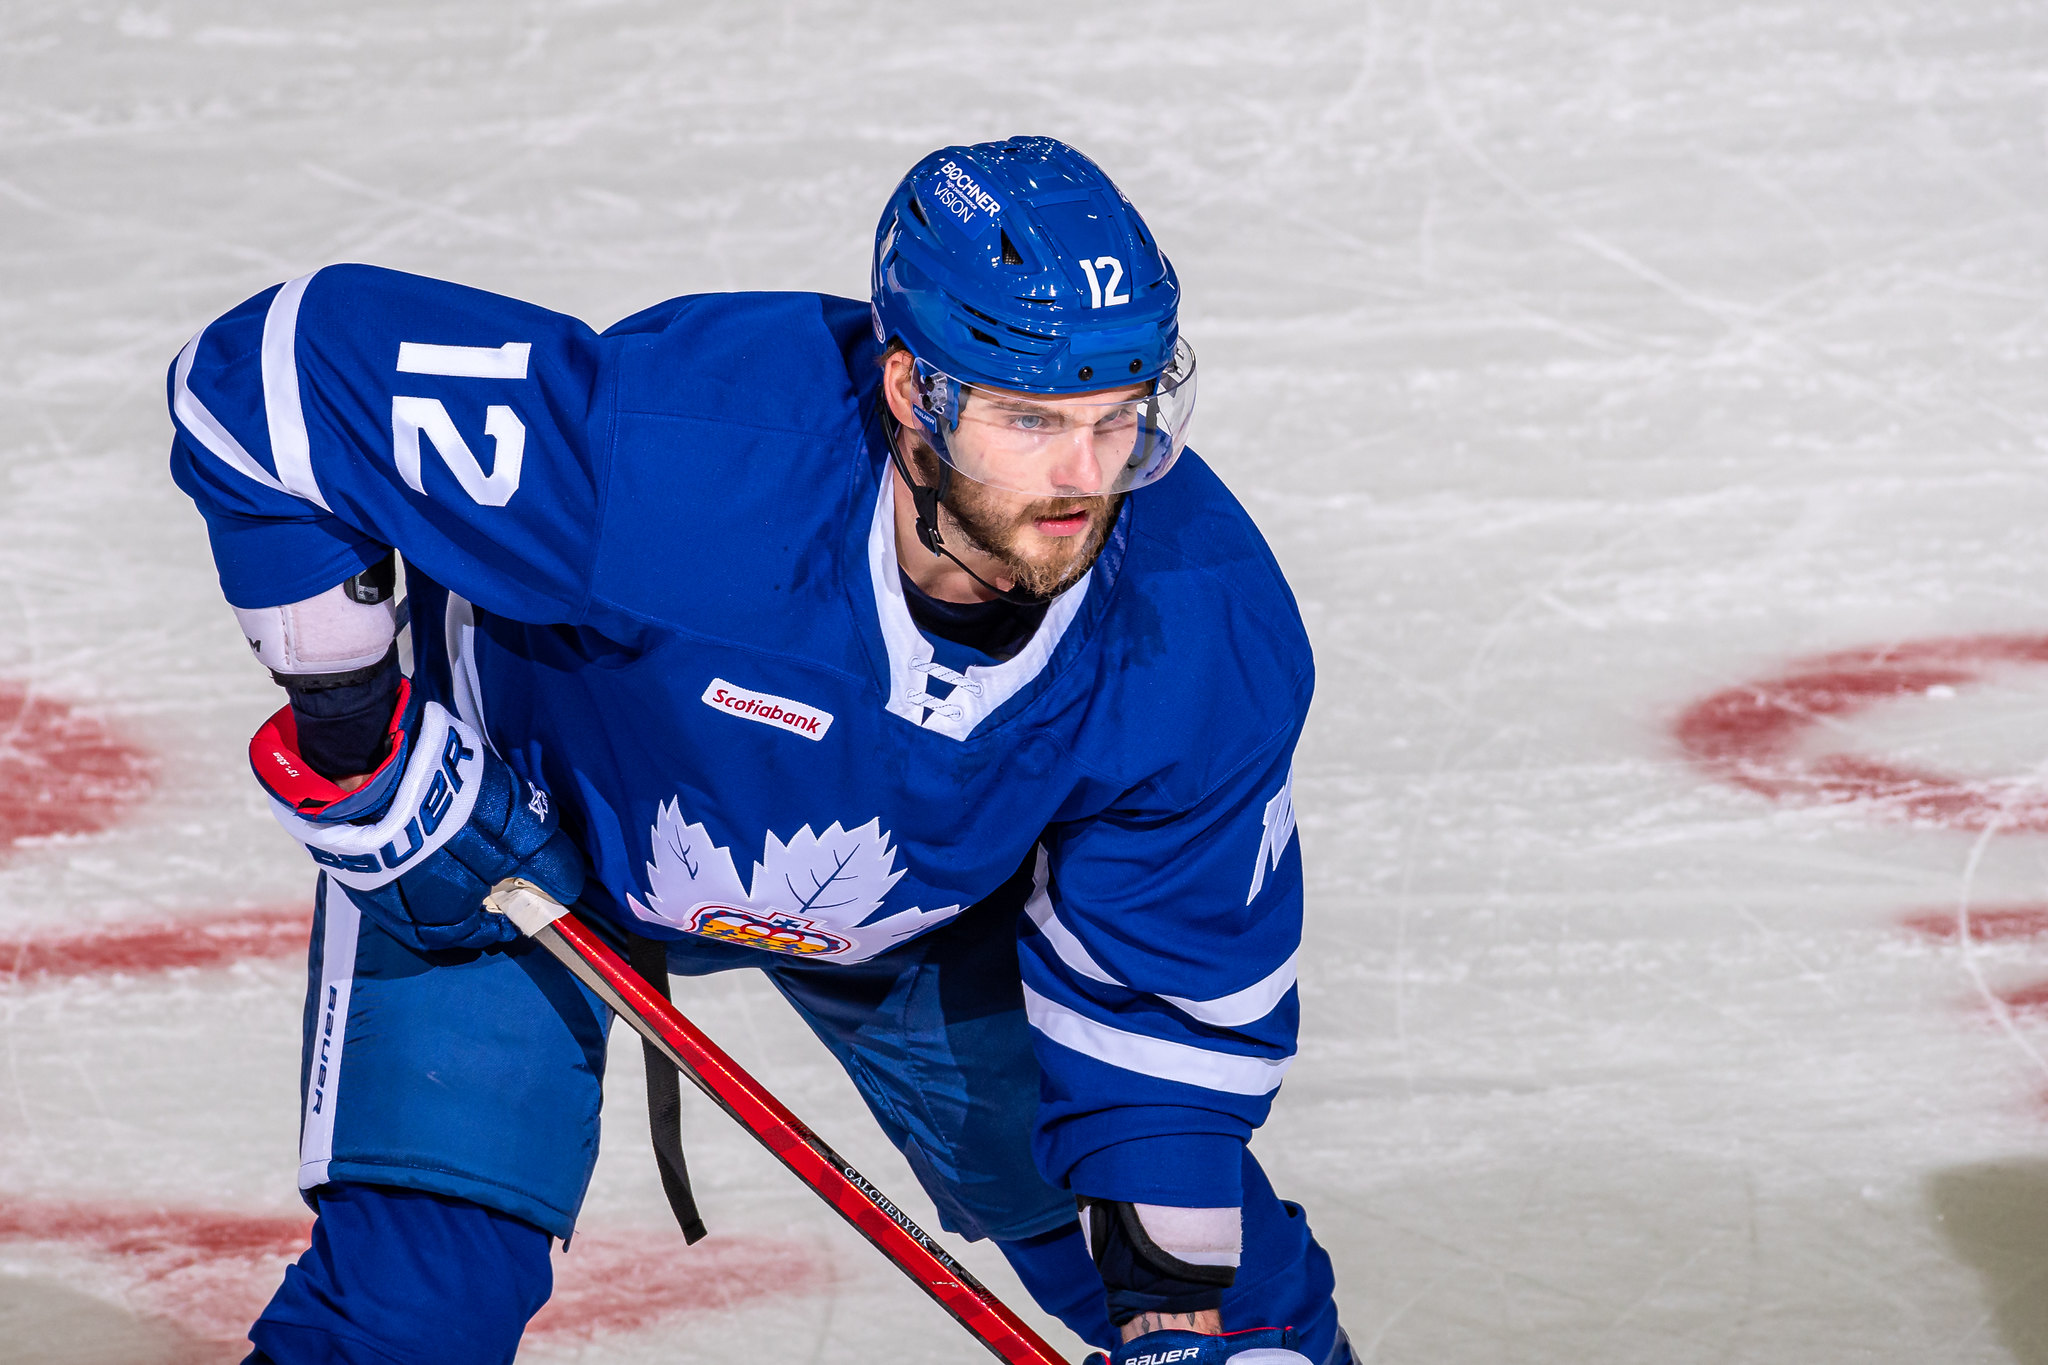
1581	361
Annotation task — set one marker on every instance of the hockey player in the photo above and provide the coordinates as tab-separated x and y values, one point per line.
894	604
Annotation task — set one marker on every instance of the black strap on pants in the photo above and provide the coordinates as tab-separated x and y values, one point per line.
665	1097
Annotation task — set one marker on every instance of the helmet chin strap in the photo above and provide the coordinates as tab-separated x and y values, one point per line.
926	502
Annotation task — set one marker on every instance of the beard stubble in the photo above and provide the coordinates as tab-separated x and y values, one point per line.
993	525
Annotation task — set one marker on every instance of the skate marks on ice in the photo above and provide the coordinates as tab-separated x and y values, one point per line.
1813	735
2023	994
180	1287
1806	737
175	1285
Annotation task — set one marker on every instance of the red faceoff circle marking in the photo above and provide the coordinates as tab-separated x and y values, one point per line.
1992	924
1754	735
61	772
204	941
207	1274
1760	736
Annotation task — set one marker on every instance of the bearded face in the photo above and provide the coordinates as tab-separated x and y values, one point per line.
1044	544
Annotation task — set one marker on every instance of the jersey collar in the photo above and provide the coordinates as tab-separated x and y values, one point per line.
981	690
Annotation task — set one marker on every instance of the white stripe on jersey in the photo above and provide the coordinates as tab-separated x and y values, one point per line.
330	1031
217	439
1160	1057
1071	950
1253	1003
459	624
465	362
290	450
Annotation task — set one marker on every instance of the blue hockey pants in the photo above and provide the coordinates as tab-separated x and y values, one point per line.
451	1104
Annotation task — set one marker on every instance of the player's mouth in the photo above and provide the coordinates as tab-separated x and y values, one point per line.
1065	524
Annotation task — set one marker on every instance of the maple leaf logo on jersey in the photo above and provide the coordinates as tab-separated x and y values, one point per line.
814	895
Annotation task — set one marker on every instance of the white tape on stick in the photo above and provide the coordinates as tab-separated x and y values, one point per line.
525	904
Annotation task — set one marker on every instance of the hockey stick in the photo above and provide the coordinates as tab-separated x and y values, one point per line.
705	1064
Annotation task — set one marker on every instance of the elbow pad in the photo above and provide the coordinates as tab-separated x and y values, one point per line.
347	628
1155	1259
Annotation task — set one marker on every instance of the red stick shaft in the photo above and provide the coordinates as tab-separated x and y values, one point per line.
804	1152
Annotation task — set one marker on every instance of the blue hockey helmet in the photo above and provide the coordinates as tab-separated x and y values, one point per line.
1019	266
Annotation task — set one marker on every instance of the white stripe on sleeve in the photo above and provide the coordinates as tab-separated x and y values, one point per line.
1160	1057
1070	949
1255	1001
290	450
217	439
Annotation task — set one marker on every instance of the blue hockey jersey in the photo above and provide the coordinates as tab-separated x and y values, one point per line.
657	569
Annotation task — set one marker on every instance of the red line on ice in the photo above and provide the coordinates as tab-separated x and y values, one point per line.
1751	735
218	940
210	1273
1992	924
608	1283
62	772
2026	999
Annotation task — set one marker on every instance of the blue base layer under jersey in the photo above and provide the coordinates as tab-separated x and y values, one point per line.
396	1276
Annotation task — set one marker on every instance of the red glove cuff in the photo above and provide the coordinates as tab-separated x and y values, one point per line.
274	755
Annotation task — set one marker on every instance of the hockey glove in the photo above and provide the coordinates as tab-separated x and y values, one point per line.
1261	1346
420	844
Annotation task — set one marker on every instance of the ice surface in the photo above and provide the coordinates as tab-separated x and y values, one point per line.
1581	361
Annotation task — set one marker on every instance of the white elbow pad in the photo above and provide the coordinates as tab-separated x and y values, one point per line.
331	633
1193	1237
1197	1236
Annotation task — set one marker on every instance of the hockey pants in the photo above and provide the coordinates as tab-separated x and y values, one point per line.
451	1106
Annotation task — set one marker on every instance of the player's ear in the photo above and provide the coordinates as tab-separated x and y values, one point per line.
899	385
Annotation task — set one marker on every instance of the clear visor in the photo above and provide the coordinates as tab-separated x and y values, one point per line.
1056	446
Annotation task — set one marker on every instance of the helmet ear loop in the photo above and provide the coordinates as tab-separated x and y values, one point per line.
925	500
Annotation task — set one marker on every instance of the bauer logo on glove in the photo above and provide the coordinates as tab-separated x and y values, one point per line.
419	844
1254	1346
435	794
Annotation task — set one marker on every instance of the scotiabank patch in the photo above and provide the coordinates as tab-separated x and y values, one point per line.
780	712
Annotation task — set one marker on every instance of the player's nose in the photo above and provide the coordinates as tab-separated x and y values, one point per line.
1077	463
